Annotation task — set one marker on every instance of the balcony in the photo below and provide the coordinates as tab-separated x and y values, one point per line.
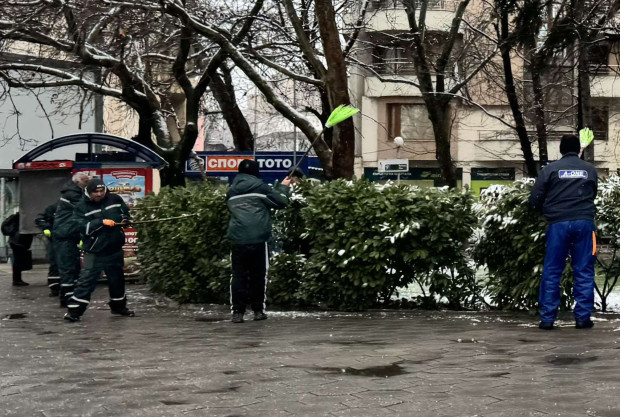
395	86
390	15
375	87
398	4
606	84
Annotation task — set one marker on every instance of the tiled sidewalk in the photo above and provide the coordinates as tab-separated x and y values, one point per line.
171	361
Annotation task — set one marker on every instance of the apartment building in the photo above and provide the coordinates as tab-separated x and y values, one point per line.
484	146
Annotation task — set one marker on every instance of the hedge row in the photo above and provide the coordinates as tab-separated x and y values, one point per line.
350	245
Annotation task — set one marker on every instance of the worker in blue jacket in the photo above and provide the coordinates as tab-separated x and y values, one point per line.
565	192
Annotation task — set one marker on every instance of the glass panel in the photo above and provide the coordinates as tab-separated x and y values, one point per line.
415	124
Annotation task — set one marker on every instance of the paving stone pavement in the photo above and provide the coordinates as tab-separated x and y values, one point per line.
180	361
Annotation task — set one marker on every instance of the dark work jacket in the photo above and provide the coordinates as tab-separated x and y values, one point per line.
565	190
45	220
250	201
65	226
96	237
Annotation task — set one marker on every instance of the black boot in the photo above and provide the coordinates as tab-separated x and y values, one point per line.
259	315
545	325
71	318
237	318
588	324
123	312
20	283
119	308
54	285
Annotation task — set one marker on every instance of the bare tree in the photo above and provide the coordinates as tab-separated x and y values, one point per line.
434	71
144	56
507	42
302	41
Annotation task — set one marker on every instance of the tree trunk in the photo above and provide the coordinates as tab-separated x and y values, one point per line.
336	82
513	99
224	93
584	109
539	113
439	114
172	175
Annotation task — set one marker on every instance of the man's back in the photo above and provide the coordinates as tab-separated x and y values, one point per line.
565	190
250	200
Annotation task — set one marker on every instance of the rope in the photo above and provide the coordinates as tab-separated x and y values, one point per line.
183	216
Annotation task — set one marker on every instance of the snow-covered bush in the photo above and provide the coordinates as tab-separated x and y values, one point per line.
511	245
366	240
608	233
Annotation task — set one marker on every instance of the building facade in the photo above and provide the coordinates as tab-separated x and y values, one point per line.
484	147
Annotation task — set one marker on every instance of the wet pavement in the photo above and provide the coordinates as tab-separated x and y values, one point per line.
191	361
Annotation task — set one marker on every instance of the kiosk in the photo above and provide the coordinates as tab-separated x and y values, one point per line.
126	167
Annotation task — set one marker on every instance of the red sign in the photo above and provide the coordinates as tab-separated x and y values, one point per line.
220	163
41	165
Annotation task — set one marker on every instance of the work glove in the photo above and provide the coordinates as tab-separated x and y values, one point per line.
47	232
585	137
80	245
108	222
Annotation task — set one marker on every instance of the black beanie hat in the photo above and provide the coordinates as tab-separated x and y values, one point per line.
94	185
248	166
569	143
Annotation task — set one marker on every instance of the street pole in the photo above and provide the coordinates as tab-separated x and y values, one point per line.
398	141
294	126
2	202
2	197
255	126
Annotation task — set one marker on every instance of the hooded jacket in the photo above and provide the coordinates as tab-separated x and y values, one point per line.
96	237
565	190
250	201
65	226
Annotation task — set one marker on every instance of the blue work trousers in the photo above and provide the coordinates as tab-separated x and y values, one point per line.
577	238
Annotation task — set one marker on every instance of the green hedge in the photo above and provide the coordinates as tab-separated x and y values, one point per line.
367	240
345	245
350	244
187	259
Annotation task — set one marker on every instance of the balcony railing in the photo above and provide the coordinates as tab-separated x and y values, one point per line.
398	4
395	67
503	135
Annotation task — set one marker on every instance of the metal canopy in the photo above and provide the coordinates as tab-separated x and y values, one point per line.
141	151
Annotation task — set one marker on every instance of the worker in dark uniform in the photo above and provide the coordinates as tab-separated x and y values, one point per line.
101	216
66	234
250	201
20	247
565	192
45	222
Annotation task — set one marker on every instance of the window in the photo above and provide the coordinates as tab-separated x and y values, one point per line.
598	56
409	121
600	122
393	60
